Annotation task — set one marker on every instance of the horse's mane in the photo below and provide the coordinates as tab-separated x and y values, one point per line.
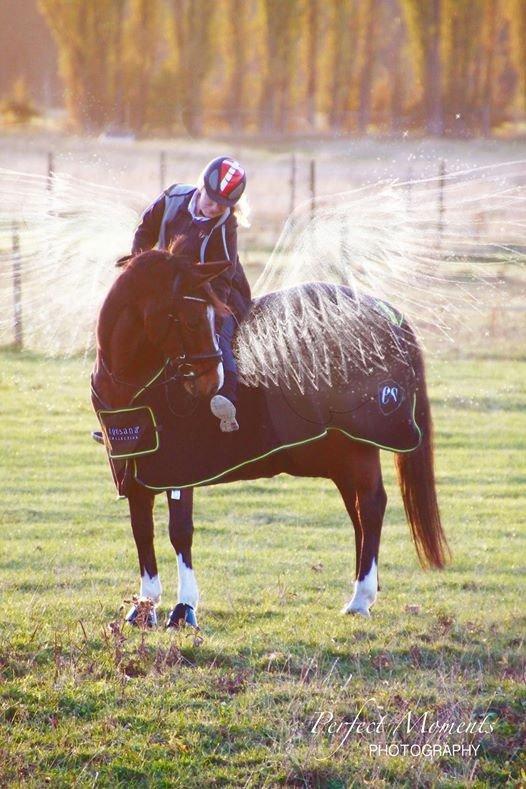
174	249
144	262
145	259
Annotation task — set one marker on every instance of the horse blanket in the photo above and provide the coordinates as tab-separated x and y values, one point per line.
168	440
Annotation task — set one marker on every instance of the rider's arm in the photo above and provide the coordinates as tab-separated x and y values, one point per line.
228	251
147	233
241	283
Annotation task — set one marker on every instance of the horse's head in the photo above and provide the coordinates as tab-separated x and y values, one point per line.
177	307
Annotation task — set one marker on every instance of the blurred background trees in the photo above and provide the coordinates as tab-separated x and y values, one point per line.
443	67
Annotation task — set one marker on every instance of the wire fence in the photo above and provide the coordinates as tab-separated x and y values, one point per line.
286	183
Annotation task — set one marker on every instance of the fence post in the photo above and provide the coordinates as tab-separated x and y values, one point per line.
17	290
441	205
50	170
292	183
162	169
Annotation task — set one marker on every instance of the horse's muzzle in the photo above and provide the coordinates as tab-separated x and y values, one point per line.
204	385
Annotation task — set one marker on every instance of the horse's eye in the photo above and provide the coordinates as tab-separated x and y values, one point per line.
191	316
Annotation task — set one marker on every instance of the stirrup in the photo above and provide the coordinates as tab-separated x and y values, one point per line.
225	410
97	436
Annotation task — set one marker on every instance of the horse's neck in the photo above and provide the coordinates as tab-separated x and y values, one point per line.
126	359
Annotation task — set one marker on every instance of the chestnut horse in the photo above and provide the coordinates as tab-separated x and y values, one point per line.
161	306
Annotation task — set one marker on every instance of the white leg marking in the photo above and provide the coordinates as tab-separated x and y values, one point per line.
364	593
187	591
151	587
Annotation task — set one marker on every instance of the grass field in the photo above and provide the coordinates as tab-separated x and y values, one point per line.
87	702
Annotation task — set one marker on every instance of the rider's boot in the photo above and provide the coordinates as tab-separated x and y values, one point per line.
223	406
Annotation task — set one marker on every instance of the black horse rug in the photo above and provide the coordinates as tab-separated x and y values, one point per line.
169	440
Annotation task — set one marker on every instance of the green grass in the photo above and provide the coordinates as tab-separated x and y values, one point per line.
86	703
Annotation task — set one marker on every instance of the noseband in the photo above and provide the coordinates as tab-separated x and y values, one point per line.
183	364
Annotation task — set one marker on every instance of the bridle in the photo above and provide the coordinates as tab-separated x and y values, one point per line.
183	365
184	369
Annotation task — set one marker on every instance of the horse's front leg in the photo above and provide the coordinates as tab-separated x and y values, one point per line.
140	502
181	527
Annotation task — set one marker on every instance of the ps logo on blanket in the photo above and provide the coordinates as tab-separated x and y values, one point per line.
390	396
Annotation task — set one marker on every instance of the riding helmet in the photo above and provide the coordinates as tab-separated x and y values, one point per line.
224	180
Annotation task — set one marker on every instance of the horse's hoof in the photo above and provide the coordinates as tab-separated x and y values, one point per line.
183	614
355	610
137	616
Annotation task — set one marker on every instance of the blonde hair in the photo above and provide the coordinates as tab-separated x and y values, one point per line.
241	211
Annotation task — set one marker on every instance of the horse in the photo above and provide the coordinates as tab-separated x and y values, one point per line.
161	307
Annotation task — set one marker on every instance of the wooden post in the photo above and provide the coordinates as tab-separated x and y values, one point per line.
292	183
441	205
312	182
162	169
50	170
17	290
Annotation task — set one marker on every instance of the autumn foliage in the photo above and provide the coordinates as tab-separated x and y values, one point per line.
455	67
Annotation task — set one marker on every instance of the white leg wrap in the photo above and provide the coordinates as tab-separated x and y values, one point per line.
151	587
187	590
364	593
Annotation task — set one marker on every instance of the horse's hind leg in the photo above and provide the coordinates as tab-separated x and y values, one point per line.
140	502
359	480
181	527
348	494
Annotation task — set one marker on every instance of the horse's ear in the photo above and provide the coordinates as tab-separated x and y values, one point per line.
204	272
123	260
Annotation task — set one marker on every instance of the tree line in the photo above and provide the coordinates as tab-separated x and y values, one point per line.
446	67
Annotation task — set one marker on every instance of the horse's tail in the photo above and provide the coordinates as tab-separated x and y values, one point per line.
416	476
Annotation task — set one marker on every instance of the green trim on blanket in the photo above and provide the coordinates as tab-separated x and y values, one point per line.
394	316
278	449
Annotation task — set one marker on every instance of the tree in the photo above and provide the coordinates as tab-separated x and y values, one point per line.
18	107
517	15
313	15
464	58
141	44
365	78
281	23
85	32
490	41
424	20
28	51
237	44
193	26
343	63
391	55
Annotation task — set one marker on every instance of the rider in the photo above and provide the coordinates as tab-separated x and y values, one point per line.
203	220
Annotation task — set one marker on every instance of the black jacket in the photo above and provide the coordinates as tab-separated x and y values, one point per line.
232	286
